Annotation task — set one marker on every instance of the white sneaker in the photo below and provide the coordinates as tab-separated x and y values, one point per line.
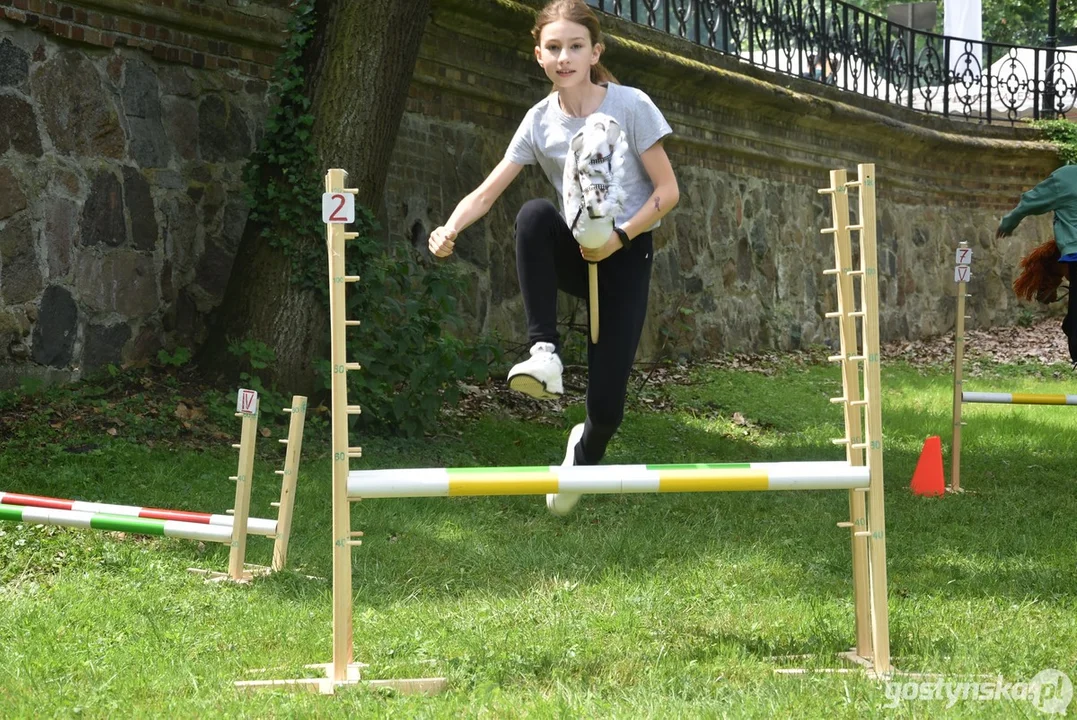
561	503
540	375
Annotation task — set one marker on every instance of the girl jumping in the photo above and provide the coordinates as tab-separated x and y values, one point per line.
548	258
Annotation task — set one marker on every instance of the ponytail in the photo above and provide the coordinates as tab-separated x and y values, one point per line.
599	74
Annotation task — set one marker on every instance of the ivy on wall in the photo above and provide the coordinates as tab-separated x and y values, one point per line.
1063	134
407	344
281	179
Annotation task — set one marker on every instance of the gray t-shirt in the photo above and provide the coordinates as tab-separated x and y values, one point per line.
545	131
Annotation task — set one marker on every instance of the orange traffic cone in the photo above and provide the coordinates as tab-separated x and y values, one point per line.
927	479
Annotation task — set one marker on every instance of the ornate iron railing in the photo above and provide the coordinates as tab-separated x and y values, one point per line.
839	44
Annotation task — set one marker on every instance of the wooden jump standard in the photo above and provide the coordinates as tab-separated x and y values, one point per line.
861	473
230	529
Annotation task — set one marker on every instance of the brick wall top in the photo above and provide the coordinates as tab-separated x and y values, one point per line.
207	34
728	113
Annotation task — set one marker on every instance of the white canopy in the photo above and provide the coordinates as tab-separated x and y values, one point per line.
1011	79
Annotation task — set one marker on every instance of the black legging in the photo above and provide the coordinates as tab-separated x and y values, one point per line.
1069	325
547	259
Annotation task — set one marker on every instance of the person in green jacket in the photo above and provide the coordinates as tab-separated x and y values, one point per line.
1058	193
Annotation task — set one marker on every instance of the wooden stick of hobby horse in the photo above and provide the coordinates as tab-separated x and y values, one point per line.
592	292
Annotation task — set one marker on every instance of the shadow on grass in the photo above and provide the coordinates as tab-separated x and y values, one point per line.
998	540
1005	540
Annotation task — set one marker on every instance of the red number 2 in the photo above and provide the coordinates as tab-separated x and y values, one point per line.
333	216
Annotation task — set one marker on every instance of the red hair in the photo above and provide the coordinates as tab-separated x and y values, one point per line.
1041	274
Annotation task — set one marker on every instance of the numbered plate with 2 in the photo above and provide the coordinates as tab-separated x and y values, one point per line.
338	207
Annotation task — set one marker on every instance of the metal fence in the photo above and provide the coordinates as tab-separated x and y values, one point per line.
838	44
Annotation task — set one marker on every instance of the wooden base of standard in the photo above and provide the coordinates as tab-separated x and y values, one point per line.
861	663
327	686
592	294
249	573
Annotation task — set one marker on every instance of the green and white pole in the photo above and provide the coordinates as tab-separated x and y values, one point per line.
116	523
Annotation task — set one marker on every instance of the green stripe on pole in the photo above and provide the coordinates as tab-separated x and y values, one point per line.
702	466
122	523
7	512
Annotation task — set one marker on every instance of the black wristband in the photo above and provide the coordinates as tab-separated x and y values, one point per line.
626	241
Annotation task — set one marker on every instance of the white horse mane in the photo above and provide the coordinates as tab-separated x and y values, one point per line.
594	169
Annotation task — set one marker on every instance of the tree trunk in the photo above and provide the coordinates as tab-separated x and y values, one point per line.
358	69
362	85
262	304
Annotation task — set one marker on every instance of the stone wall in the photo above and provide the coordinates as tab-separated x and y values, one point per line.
125	130
739	263
126	126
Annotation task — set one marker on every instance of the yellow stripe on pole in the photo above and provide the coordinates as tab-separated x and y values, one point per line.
1034	399
502	484
712	480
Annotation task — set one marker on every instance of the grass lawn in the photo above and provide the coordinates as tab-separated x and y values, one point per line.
660	606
